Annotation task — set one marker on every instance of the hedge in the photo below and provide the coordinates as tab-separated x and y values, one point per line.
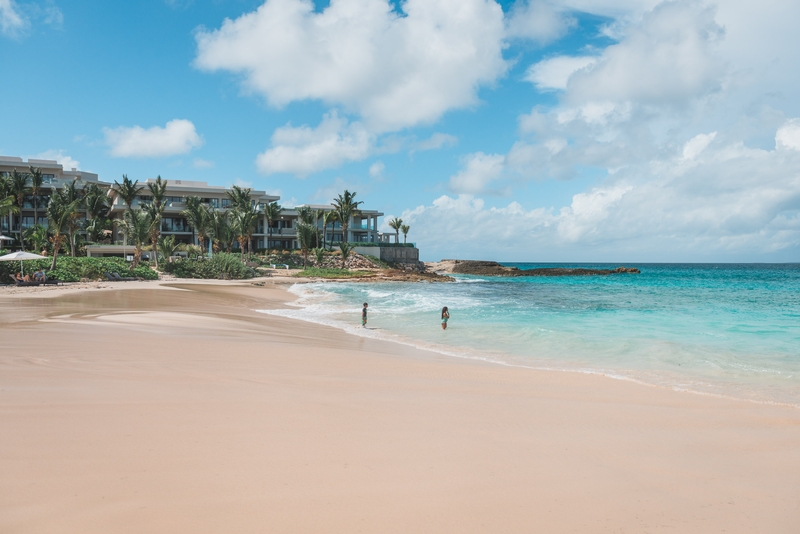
69	269
220	266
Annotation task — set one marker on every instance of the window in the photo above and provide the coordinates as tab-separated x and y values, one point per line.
48	178
226	203
174	224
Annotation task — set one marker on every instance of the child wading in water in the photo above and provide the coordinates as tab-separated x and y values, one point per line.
364	316
445	317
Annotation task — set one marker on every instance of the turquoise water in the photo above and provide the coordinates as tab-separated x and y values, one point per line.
723	329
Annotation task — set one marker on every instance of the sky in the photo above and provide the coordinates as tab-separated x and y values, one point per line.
528	130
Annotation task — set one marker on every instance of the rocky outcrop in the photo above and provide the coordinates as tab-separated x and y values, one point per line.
492	268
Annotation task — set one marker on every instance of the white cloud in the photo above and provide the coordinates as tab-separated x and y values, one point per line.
670	57
732	202
376	169
394	70
479	171
788	135
697	144
303	150
58	155
177	137
199	163
554	73
12	23
538	20
435	142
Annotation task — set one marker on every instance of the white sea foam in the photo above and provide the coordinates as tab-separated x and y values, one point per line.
404	315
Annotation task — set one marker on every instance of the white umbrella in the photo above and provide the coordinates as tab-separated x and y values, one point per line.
21	255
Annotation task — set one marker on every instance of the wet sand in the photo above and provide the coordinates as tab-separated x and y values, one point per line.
148	408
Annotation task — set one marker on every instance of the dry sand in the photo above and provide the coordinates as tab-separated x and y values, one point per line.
141	409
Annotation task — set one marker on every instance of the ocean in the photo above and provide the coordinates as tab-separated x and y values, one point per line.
731	330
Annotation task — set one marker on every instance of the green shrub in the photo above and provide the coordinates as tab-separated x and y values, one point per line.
222	266
69	269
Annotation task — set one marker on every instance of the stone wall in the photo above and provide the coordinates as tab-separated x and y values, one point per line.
391	254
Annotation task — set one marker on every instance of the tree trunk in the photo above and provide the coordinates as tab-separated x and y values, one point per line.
137	256
56	246
155	250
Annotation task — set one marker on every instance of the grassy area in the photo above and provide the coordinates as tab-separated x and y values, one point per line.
317	272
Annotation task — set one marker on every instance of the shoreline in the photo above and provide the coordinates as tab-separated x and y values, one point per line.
191	411
509	360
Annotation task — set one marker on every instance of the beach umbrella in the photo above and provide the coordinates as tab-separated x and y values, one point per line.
21	256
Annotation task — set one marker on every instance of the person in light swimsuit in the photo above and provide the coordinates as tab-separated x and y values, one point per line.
445	317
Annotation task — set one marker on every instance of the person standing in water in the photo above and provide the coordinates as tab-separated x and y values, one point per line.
364	315
445	317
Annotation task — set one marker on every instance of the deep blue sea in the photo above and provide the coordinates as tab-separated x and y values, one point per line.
722	329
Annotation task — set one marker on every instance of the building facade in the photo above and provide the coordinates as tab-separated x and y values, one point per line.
278	233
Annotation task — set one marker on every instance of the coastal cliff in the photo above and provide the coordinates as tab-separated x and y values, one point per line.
492	268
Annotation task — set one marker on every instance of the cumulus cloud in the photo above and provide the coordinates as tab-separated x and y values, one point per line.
393	69
11	20
788	135
668	58
538	20
554	73
66	161
479	171
199	163
177	137
732	202
303	150
376	169
435	142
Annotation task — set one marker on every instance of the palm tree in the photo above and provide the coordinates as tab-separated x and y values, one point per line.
59	213
240	196
154	231
306	234
7	207
396	223
158	191
37	179
136	226
127	191
405	228
346	248
244	219
167	246
319	215
221	230
330	217
71	194
199	218
272	211
19	188
346	207
38	237
97	205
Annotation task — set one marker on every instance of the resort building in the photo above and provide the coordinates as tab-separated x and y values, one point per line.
279	233
54	177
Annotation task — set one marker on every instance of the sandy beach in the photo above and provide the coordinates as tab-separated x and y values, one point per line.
175	407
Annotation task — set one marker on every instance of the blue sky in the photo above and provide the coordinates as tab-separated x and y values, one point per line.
574	130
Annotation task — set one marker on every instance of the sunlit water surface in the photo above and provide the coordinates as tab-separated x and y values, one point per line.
723	329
